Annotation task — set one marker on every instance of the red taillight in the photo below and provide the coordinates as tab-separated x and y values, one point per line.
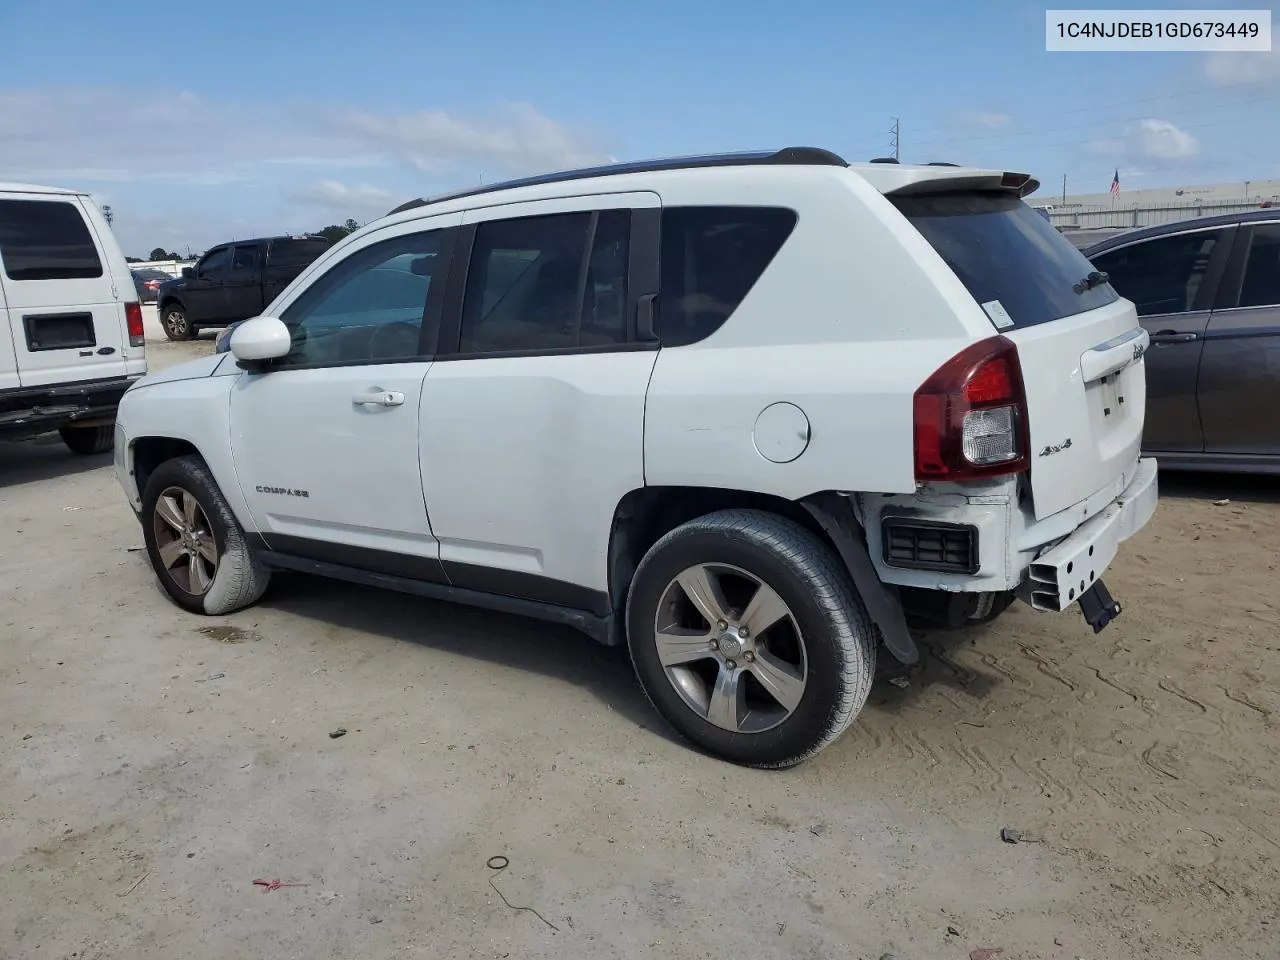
133	321
970	417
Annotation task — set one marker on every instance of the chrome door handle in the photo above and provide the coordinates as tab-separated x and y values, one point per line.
381	398
1171	337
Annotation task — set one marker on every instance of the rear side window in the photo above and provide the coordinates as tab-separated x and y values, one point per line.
711	258
1014	263
46	240
1164	275
1262	271
295	253
245	258
557	282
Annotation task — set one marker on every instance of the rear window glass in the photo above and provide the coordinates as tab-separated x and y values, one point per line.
1002	250
46	240
295	253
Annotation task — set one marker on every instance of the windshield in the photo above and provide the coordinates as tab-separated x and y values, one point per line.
1016	265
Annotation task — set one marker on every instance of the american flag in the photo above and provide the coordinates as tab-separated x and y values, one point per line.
1115	184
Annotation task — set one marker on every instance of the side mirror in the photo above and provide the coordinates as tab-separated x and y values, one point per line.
260	338
188	273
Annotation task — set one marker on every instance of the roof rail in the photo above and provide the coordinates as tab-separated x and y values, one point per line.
411	204
885	160
941	163
799	156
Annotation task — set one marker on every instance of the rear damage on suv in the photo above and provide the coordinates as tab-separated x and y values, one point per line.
1028	475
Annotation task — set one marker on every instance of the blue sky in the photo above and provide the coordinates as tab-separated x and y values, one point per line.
243	118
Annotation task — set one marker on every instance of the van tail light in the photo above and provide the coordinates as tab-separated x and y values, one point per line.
133	320
970	417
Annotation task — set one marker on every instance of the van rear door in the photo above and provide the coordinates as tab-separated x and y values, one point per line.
1080	345
64	317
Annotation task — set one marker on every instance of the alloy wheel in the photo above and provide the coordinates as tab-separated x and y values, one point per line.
731	648
185	543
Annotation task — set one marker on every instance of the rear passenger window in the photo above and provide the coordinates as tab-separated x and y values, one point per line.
1164	275
295	253
711	258
1262	271
46	240
547	283
245	258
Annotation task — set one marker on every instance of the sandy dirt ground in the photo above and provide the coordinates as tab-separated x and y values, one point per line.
152	768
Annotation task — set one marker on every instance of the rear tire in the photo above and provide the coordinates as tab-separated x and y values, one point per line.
176	323
88	441
1000	602
798	676
196	546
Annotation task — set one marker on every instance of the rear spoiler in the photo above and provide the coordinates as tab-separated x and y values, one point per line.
905	181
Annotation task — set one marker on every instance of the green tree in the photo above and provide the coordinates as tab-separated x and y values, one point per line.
160	253
351	226
333	233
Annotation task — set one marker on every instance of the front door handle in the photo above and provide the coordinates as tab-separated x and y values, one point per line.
1168	336
380	398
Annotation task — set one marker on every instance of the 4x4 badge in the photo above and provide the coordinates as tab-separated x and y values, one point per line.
1056	448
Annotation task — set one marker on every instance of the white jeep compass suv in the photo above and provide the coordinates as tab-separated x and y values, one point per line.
743	413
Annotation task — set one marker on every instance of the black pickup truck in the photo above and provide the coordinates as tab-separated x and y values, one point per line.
233	281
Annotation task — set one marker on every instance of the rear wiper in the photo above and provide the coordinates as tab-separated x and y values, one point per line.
1095	279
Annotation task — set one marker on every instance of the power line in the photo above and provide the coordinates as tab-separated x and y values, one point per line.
1190	126
1097	122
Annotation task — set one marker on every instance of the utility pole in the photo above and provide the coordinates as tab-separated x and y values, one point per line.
1064	189
895	139
107	214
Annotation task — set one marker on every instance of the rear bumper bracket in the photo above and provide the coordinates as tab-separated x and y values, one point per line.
1098	607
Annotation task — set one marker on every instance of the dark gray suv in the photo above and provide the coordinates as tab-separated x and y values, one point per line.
1208	292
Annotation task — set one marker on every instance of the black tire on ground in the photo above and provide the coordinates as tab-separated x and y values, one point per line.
839	641
999	604
238	579
88	441
176	324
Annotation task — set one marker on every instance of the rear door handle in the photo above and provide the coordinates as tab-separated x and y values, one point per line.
1168	336
380	398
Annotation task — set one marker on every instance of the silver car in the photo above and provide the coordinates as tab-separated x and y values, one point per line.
1208	292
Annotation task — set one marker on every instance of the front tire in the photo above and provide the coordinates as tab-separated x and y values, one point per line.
176	323
88	441
195	543
749	638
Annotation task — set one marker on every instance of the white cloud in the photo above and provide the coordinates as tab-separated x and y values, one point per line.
1151	140
989	121
1161	140
1232	69
179	138
361	201
177	158
518	140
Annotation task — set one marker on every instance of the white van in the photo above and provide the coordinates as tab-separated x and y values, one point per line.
71	337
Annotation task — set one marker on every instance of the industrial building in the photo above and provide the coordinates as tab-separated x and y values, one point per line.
1094	216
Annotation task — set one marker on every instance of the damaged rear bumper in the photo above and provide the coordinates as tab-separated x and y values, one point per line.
1067	569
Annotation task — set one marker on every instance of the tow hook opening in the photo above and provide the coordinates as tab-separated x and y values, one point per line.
1098	606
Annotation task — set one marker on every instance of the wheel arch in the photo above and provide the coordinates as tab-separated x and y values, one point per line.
147	453
645	515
